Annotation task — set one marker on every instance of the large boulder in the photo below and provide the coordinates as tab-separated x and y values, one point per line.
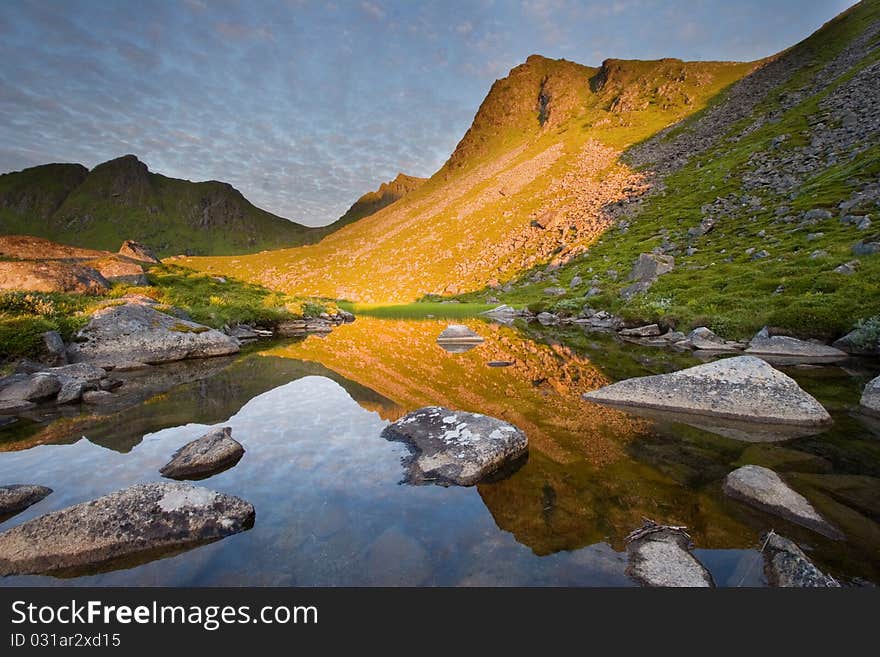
862	341
646	269
29	387
781	345
661	556
136	332
706	339
454	447
786	565
51	276
54	351
763	489
202	457
459	333
147	518
741	388
138	251
871	396
120	270
15	498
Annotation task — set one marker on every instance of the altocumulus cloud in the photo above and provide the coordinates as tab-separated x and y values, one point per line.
303	106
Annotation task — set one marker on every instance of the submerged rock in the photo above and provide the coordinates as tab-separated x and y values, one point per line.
786	565
136	332
871	397
146	518
200	458
743	388
782	345
661	556
454	447
15	498
763	489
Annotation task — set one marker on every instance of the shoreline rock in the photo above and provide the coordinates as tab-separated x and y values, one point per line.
142	519
454	447
764	344
199	459
661	556
741	388
870	401
785	565
15	498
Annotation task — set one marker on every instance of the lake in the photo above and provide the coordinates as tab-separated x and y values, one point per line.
331	505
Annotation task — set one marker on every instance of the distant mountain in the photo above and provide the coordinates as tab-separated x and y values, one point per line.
372	202
121	199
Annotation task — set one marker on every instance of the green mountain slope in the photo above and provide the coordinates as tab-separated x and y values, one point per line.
121	199
372	202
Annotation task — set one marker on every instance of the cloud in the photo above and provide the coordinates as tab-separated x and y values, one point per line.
239	31
373	10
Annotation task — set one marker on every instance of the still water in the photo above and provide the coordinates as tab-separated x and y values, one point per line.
331	508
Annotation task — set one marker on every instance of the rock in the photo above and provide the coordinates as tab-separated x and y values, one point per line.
576	281
848	268
454	447
761	254
705	226
785	565
633	289
84	372
740	388
13	406
346	316
642	331
147	518
200	458
242	332
782	345
138	251
863	224
459	333
764	489
871	397
51	276
661	556
704	338
861	248
96	396
859	341
555	291
814	236
120	270
71	391
133	332
110	384
818	253
500	363
648	266
29	387
817	214
54	351
129	366
547	319
15	498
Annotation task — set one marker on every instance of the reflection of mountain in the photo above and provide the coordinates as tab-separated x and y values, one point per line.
540	392
203	392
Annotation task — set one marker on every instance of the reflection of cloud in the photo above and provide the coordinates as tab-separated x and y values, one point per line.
373	10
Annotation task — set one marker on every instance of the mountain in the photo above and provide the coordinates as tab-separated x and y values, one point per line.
372	202
758	178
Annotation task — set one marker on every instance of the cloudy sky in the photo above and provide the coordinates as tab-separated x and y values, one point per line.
304	105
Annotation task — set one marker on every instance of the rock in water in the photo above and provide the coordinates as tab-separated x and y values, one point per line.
213	452
661	556
741	388
704	338
786	565
125	524
871	397
138	251
135	332
782	345
453	447
17	497
458	333
648	331
763	489
29	387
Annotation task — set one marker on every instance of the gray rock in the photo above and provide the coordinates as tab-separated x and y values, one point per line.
761	254
661	556
454	447
83	372
704	338
817	214
129	366
861	248
858	341
741	388
147	518
15	498
763	489
13	406
814	236
459	333
642	331
787	566
863	224
500	363
242	332
54	351
135	332
575	282
97	396
548	319
200	458
648	266
555	291
71	391
29	387
138	251
848	268
782	345
871	397
818	253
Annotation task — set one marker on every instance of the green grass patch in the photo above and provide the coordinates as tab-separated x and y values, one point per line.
421	310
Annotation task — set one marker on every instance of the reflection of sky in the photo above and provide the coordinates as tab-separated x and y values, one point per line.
303	105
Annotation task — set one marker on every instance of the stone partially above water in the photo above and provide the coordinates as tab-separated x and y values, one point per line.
454	447
661	556
763	489
17	497
200	458
147	518
742	388
136	332
782	345
787	566
871	397
459	333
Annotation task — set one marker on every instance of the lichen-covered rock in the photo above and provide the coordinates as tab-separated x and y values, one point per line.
127	523
54	352
29	387
704	338
454	447
51	276
742	388
661	556
137	332
15	498
871	397
120	270
782	345
138	251
785	565
202	457
763	489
